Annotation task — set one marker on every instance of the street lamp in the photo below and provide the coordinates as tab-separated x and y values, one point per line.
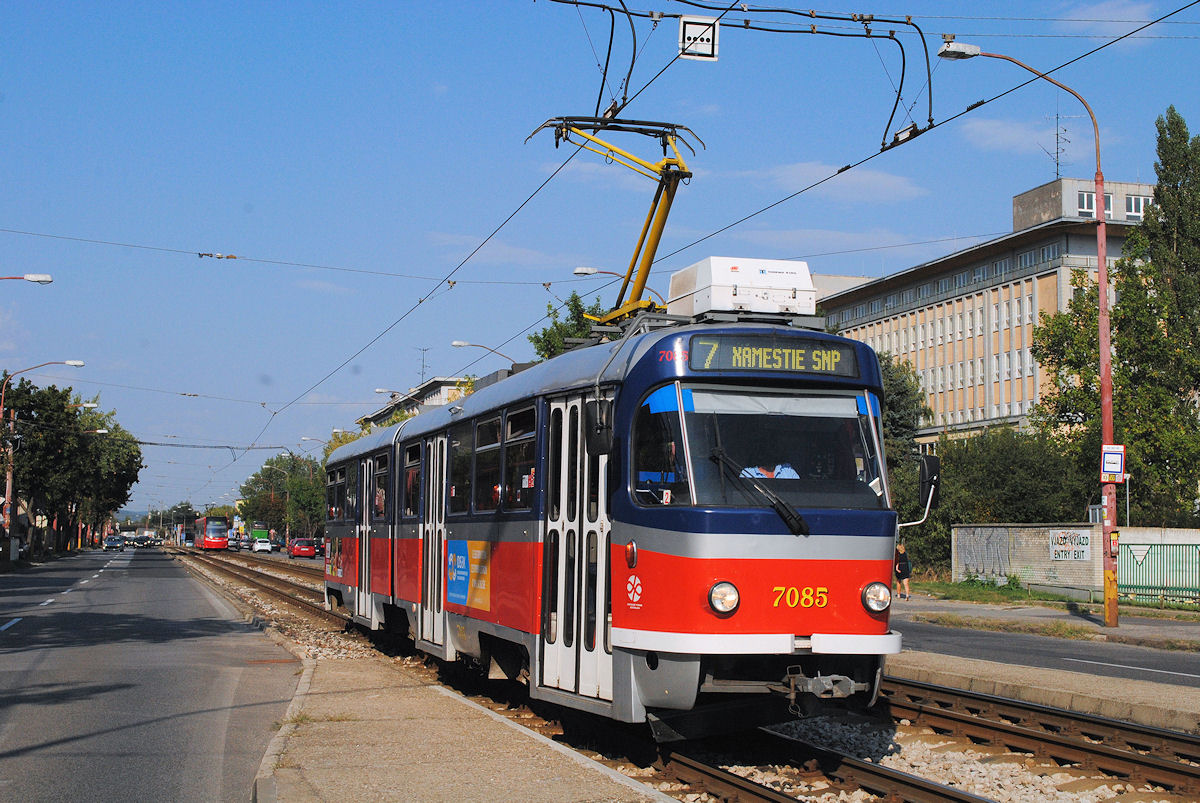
958	50
584	270
321	440
8	481
287	503
36	278
458	344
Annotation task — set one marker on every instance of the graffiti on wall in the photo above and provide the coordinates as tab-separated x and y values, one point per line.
983	551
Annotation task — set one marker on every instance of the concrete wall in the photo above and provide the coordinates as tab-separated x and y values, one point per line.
1057	555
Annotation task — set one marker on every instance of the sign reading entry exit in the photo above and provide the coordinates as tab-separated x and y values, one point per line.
1071	545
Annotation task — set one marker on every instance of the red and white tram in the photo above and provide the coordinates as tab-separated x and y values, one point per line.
649	529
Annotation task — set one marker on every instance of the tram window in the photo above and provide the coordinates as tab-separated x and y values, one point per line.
380	507
518	460
593	487
607	597
589	595
659	466
460	468
487	465
573	463
352	491
814	451
412	481
554	465
569	584
335	494
550	588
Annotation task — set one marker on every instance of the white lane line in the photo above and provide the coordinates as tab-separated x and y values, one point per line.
10	624
81	582
1134	668
68	591
47	602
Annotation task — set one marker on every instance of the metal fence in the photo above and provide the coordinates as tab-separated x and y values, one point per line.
1163	573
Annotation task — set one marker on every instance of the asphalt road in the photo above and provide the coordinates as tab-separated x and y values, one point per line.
122	677
1089	657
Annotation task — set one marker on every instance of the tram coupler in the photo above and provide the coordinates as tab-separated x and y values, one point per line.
822	687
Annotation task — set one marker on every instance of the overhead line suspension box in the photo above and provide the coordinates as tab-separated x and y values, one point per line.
727	284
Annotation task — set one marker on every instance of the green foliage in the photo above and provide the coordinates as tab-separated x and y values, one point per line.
64	469
551	341
1156	339
288	493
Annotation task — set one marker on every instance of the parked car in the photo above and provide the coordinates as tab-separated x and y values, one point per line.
262	545
114	542
302	548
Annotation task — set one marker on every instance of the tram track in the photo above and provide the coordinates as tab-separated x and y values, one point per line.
299	595
1103	749
1121	750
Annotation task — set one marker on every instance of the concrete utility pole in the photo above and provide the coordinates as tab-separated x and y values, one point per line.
957	50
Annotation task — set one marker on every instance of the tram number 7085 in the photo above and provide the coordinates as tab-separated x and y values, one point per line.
807	597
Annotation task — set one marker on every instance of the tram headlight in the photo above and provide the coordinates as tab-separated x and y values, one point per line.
724	597
877	597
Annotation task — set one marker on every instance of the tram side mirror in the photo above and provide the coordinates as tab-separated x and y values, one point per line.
597	419
931	480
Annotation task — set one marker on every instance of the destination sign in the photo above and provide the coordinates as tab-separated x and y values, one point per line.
771	354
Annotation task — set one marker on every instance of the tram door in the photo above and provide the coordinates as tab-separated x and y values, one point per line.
433	540
362	533
575	641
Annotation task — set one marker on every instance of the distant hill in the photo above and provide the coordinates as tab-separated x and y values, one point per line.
135	515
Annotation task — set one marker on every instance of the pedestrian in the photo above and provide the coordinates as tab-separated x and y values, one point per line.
903	570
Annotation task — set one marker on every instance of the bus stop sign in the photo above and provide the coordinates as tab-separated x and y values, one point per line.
1112	463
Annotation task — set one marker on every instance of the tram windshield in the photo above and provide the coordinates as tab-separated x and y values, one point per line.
808	450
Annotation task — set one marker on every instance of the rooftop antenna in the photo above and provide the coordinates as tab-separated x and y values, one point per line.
422	350
1060	141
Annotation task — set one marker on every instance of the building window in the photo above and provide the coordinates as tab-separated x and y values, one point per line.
995	317
1087	205
876	306
892	301
1029	308
943	284
1051	251
1001	266
1135	206
1027	259
925	291
980	273
961	280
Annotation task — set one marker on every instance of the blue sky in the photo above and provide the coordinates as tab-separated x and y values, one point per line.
353	155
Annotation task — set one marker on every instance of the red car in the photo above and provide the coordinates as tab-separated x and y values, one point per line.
302	548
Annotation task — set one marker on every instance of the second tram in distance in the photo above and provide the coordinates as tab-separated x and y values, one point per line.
691	521
212	532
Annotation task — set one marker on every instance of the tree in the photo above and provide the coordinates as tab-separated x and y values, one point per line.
288	493
1156	340
551	341
903	409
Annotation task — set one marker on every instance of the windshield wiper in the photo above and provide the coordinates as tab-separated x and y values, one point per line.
794	521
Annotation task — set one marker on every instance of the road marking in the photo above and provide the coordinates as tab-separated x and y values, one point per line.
1134	668
47	602
95	575
68	591
10	624
81	582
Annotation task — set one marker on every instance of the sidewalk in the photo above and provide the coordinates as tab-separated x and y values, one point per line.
1149	631
366	729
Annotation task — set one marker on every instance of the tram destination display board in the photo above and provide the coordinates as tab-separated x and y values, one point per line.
731	352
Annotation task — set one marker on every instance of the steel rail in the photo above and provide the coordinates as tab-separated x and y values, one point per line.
1126	750
277	587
